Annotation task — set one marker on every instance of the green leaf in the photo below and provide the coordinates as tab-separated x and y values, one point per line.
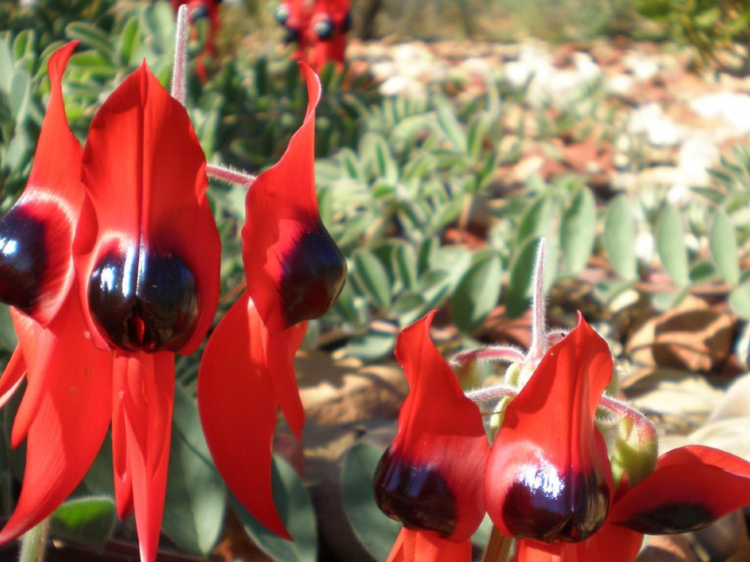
739	301
130	42
477	293
405	265
372	278
296	510
8	338
372	346
375	531
536	220
88	520
723	244
670	243
196	498
20	92
518	293
578	231
619	238
91	36
450	126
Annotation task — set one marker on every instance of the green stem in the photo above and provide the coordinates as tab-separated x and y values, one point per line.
34	543
498	548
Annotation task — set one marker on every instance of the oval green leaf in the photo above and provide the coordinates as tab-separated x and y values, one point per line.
578	231
722	241
619	238
296	510
670	244
477	294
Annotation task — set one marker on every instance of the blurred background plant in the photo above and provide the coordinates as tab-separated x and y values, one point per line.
437	200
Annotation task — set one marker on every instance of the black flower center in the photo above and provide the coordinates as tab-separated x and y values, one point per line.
144	302
418	496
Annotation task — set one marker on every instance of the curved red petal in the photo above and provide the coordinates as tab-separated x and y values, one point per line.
36	234
147	235
294	269
415	546
71	420
548	475
610	543
120	469
238	405
146	392
682	495
12	376
432	475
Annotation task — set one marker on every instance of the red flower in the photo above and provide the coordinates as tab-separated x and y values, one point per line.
549	483
431	477
319	29
548	479
294	272
107	311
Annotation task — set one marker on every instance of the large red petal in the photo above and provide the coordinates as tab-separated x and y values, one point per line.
690	488
548	475
71	419
238	404
36	235
145	177
432	475
610	543
294	269
147	395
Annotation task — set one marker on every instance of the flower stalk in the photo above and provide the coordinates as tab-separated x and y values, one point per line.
34	543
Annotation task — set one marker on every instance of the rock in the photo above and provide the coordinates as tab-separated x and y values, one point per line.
667	549
659	129
692	337
733	108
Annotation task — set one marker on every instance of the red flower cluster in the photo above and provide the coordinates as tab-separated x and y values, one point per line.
547	480
110	260
319	29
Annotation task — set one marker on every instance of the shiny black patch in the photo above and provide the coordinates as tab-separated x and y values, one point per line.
291	35
417	496
24	259
544	507
671	518
314	274
140	305
199	12
282	14
324	29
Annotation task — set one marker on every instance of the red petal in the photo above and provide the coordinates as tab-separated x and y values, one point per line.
37	233
294	269
690	488
145	176
238	404
12	376
610	543
548	476
144	384
70	422
122	479
414	546
432	475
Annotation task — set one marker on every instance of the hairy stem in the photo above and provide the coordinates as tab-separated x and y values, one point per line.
179	74
34	543
229	176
